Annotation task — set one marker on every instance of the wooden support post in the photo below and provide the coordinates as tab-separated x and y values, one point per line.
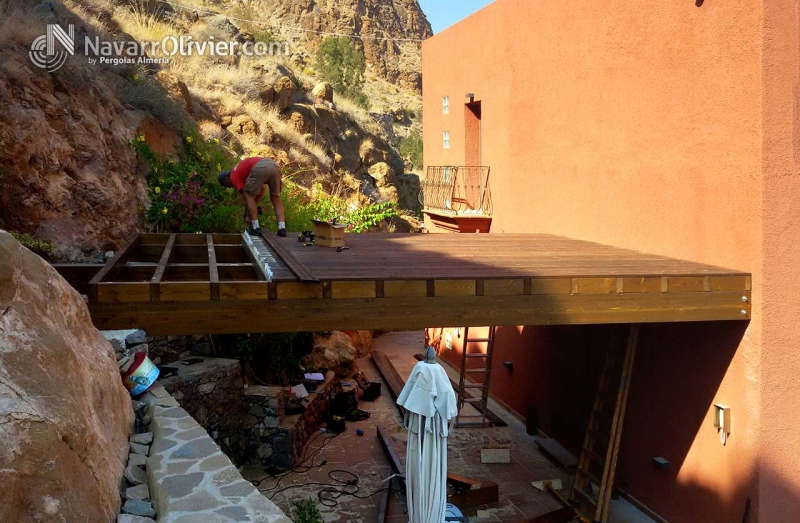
113	266
213	271
155	281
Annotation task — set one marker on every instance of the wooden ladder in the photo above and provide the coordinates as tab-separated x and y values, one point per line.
481	403
598	462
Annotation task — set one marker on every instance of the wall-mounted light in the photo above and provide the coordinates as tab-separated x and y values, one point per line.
471	96
508	364
722	421
661	463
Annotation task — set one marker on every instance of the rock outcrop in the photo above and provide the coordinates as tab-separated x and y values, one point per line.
69	175
397	61
334	351
65	417
322	92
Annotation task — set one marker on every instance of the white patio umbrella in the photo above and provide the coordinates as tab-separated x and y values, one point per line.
430	403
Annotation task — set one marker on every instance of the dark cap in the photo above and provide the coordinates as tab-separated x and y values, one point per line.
222	176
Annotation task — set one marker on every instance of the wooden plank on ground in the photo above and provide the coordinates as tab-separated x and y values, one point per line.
393	379
301	271
558	452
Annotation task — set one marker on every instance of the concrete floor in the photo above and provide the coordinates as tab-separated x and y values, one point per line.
364	457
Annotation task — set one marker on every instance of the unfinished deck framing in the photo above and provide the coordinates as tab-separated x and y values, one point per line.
194	283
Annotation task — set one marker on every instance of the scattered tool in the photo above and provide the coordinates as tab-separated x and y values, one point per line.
342	248
306	237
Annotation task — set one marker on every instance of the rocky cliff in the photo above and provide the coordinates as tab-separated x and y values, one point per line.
69	174
391	31
65	416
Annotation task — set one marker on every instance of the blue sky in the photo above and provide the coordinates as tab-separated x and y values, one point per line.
444	13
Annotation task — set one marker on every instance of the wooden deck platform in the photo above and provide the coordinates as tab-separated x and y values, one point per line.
191	283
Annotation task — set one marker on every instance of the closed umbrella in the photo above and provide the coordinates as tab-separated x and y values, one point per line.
430	404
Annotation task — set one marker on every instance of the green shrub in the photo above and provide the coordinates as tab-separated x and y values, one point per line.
342	64
411	148
358	219
185	195
306	511
41	247
274	357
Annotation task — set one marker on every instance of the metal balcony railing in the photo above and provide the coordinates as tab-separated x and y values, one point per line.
457	191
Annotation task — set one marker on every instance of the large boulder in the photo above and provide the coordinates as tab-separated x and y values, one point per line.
383	174
362	341
284	92
65	417
333	351
323	92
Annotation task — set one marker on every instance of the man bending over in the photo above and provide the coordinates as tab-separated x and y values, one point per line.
252	177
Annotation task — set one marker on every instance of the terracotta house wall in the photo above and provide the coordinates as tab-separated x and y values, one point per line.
779	477
670	128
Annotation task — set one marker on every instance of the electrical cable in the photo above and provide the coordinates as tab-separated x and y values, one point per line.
297	468
330	493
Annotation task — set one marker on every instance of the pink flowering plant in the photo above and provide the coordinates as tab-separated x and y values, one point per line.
184	194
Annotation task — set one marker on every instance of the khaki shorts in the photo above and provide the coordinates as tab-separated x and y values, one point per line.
264	172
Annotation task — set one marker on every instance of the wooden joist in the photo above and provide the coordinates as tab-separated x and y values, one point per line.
116	308
155	281
112	267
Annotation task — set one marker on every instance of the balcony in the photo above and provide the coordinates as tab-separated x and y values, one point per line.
457	198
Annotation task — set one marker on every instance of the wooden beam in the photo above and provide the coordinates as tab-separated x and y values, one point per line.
155	281
260	274
417	313
213	272
301	271
112	266
78	275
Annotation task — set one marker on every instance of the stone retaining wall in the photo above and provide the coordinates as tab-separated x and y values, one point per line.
189	476
211	392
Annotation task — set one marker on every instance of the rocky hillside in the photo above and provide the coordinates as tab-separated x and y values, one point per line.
69	174
382	24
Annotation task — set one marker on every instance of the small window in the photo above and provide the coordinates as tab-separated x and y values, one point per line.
446	139
446	105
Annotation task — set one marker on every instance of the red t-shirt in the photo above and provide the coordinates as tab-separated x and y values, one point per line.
242	170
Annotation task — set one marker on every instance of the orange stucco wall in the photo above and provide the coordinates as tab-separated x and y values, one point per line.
780	381
670	128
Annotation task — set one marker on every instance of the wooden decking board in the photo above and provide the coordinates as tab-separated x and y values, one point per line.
413	281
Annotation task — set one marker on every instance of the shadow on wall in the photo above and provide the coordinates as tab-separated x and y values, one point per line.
677	376
679	370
